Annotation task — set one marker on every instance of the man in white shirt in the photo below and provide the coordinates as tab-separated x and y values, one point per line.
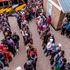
48	47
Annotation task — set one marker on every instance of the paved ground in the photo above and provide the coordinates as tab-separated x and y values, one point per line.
20	58
64	41
43	62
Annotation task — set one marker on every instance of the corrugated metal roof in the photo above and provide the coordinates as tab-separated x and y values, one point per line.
65	4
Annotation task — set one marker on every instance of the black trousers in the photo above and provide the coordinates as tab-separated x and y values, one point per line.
19	23
12	50
67	33
63	31
34	65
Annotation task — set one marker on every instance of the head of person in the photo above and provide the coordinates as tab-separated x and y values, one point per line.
64	60
33	55
6	34
8	38
61	53
30	46
14	33
51	40
32	49
18	68
59	47
68	66
49	16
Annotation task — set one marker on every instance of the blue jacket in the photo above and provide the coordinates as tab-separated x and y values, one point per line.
68	27
65	25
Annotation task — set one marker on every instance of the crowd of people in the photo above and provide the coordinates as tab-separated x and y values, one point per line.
31	51
10	44
34	9
29	12
23	19
66	26
50	48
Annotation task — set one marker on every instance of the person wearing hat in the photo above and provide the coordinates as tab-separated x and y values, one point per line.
11	46
28	65
18	68
16	38
48	47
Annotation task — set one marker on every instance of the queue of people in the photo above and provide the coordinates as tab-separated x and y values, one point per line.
34	10
50	48
29	12
57	57
10	44
31	51
23	19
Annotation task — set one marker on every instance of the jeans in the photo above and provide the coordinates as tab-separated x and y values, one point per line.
17	45
1	64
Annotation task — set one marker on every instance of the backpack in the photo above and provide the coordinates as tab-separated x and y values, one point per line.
16	38
28	65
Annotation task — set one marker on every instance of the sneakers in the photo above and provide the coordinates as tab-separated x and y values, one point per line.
16	50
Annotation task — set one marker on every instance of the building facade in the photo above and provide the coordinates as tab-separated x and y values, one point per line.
53	8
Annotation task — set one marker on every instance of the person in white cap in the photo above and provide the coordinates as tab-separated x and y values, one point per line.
49	46
18	68
28	65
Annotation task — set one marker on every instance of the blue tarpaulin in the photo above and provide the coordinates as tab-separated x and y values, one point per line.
65	4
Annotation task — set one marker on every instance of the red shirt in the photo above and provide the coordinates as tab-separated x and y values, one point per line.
48	20
30	53
23	17
33	9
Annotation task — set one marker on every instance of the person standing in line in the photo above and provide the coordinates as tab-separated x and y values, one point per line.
28	65
16	38
32	54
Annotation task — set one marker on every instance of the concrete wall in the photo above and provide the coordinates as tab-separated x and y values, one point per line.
62	15
55	16
56	2
45	6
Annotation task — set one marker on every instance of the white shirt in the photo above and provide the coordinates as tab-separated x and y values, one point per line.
49	45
